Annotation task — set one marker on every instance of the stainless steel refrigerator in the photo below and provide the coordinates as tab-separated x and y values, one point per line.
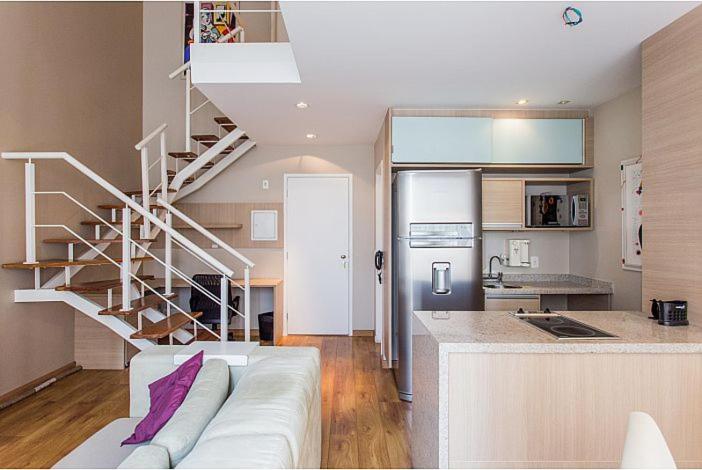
437	252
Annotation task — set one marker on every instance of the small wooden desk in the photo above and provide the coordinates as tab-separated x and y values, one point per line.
278	310
255	283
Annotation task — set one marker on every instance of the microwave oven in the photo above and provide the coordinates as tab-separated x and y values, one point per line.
558	210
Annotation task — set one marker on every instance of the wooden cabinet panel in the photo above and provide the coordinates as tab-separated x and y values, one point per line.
538	141
512	303
503	204
441	140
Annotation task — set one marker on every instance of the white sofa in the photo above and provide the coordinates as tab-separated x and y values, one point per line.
263	415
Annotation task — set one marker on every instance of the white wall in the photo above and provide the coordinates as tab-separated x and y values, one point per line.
551	248
241	182
598	253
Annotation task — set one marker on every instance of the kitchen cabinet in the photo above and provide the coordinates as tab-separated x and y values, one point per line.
503	204
512	303
488	141
538	141
507	201
441	140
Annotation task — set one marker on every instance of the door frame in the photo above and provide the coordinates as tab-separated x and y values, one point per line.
378	304
286	177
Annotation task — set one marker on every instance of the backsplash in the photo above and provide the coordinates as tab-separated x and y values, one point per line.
552	249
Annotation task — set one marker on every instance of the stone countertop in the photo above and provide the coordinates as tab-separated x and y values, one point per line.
550	284
501	332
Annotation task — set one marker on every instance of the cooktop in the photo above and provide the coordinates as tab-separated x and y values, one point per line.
562	327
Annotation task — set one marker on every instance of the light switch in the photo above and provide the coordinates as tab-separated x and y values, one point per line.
534	261
264	184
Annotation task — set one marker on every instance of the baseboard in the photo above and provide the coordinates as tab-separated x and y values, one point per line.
363	333
23	389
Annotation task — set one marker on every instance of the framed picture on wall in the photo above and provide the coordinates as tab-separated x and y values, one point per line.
632	227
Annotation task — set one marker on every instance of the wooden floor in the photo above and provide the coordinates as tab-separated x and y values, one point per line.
364	424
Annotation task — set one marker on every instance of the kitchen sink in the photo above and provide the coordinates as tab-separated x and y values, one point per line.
501	286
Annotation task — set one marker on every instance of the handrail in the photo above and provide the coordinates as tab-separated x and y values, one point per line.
151	136
224	270
179	70
206	233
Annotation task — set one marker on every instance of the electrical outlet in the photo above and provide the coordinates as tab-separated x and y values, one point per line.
264	184
534	261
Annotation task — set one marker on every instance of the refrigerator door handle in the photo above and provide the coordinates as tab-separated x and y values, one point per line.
441	278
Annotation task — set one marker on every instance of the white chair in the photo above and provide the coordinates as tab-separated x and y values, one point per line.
645	446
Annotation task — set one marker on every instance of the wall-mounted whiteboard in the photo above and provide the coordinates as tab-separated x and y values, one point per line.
632	229
264	225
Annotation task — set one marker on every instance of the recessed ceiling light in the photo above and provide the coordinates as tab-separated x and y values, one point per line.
564	102
523	101
311	136
302	105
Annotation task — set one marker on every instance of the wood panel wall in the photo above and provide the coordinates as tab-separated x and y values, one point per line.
215	214
672	164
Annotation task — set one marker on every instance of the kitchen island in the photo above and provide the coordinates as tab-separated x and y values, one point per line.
492	391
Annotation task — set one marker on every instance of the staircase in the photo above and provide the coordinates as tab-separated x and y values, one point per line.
143	315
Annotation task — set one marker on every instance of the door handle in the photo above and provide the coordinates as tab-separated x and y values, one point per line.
441	278
343	256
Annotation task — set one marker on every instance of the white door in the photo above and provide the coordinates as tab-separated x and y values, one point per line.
318	254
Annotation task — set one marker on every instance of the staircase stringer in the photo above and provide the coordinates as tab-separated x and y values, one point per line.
87	307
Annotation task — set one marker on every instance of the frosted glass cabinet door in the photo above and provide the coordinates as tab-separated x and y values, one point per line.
537	141
441	140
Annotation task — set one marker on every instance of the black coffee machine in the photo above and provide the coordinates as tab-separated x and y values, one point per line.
669	312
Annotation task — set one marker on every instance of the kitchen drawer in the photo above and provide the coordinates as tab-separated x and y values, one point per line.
503	204
512	302
441	140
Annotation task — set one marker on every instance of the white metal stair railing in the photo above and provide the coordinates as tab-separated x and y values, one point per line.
176	184
209	155
134	246
248	264
171	234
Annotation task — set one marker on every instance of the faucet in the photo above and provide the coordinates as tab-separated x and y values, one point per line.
499	275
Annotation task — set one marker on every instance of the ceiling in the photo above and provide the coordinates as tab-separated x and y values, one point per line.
356	59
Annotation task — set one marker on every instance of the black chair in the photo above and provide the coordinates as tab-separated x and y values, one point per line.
199	302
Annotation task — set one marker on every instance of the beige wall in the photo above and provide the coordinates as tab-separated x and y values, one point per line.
71	81
241	182
598	253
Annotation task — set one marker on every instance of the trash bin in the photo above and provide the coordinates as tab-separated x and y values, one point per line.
265	326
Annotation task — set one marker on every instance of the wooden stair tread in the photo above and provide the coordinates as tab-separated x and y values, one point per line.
192	155
119	207
94	241
189	179
93	223
223	120
62	263
211	144
202	138
163	328
228	127
137	305
97	286
137	192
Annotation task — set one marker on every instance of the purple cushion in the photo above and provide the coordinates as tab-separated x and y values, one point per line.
166	394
